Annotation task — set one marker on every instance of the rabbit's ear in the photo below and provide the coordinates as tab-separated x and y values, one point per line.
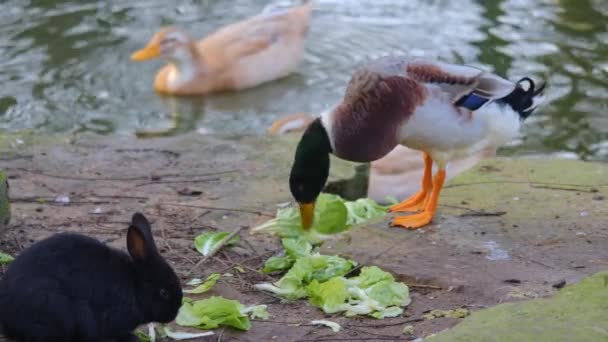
140	242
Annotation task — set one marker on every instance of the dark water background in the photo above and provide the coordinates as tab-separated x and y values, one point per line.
64	65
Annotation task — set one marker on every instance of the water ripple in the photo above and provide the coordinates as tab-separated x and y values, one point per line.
64	65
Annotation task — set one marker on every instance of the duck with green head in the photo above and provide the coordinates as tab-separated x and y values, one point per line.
445	110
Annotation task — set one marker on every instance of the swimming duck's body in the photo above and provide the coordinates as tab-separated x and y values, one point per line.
447	111
259	49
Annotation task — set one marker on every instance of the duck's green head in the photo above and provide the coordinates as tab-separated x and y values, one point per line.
310	170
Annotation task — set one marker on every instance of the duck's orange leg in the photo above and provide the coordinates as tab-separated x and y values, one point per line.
426	216
417	201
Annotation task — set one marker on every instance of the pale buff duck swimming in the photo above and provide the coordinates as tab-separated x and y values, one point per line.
242	55
447	111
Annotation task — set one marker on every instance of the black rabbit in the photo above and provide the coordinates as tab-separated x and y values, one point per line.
72	288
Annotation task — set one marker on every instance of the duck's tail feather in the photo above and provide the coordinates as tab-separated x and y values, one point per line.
525	101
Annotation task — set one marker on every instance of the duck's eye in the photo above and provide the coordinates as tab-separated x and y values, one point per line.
164	293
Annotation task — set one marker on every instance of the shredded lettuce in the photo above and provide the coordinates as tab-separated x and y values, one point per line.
294	248
277	263
206	243
329	296
182	335
214	311
335	327
5	259
374	293
304	270
333	215
363	210
206	285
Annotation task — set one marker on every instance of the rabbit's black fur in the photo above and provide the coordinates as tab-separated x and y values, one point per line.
72	288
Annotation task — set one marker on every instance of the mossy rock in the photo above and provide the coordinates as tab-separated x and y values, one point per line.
5	212
576	313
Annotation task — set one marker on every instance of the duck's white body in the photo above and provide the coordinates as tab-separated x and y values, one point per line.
434	123
427	130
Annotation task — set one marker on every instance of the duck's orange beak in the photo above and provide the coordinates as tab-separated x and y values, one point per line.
151	50
307	211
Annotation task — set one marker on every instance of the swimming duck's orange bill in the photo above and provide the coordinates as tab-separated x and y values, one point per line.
148	52
307	211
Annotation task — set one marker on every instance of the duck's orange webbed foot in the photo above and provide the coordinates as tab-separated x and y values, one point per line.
412	204
413	221
419	200
426	216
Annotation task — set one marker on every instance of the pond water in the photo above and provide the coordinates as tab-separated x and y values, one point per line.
64	65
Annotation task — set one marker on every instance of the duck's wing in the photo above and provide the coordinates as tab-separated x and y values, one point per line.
465	86
257	33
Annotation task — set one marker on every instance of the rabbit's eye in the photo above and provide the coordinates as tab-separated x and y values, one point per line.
164	293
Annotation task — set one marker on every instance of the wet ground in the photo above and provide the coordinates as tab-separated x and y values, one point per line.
508	230
64	64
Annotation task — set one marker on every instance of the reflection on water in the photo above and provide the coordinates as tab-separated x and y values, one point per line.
64	65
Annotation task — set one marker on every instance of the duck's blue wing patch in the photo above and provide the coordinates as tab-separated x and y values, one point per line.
471	101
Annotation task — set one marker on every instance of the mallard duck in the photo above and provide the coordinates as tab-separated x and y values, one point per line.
447	111
242	55
397	173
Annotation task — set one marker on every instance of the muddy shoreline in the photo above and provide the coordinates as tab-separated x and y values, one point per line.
508	229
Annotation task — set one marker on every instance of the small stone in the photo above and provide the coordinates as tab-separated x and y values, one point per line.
512	281
189	192
62	199
584	214
408	330
203	131
560	284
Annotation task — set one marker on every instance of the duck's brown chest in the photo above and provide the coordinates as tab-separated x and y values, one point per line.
366	126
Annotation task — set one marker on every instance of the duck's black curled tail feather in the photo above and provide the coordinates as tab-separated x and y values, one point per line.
524	101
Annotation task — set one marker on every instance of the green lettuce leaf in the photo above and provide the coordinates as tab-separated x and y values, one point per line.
330	215
335	327
5	259
206	243
371	275
206	285
297	248
389	292
364	209
257	311
330	296
142	336
315	267
333	215
374	293
285	224
277	263
326	267
294	248
212	312
182	335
